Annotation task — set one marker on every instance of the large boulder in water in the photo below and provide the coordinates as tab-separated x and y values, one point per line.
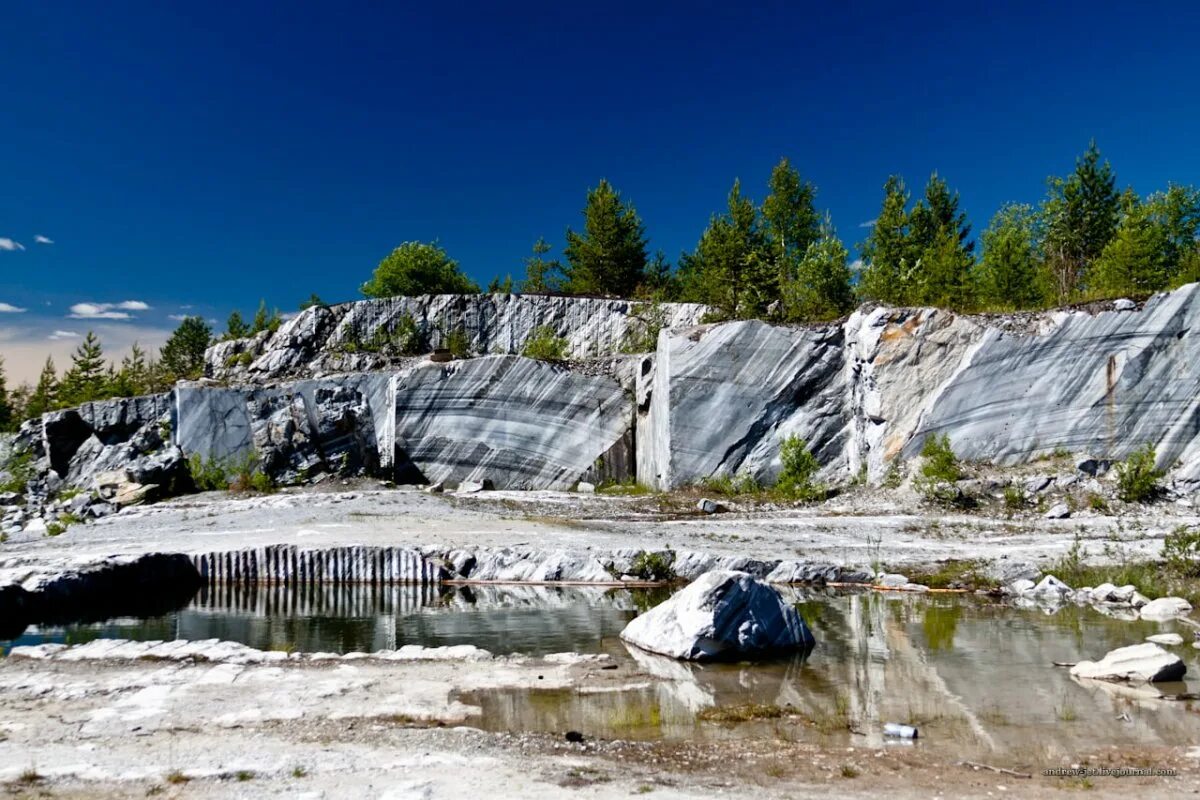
1140	662
723	614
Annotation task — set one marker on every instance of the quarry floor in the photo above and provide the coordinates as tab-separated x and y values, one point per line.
864	530
378	729
373	729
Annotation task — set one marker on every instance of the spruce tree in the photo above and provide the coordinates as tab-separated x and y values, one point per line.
885	253
235	326
182	357
45	396
6	410
86	379
542	275
731	268
790	218
609	256
265	320
133	378
1009	275
1137	258
1080	215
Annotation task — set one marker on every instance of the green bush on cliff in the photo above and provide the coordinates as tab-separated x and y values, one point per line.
1137	476
545	345
231	474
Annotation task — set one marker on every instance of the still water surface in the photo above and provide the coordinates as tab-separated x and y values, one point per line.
976	677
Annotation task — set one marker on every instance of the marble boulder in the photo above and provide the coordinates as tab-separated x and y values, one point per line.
721	615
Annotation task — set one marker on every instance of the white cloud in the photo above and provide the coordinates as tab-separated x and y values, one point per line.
107	310
9	308
868	224
856	265
57	335
10	245
177	317
43	239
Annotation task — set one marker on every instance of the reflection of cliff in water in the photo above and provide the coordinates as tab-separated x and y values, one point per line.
503	619
975	677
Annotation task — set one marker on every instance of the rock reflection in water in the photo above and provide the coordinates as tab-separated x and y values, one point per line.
974	677
343	619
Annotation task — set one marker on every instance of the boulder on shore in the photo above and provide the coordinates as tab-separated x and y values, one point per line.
1164	608
1140	662
723	614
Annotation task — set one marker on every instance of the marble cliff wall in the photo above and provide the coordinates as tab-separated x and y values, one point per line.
348	337
1007	390
711	400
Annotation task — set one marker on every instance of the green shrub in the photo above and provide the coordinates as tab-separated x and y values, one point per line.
653	566
799	468
939	472
731	485
1181	551
544	345
55	528
1014	498
894	476
235	475
1137	477
407	337
208	474
642	334
1097	503
20	471
458	343
939	462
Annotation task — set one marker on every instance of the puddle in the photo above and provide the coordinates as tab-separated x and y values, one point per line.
975	677
344	619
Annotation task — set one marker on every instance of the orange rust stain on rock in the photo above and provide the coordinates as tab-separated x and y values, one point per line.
904	329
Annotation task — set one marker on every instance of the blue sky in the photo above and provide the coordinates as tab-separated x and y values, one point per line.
192	158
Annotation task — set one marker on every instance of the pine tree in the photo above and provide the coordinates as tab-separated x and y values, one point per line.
542	275
933	216
235	326
133	379
885	253
1079	216
498	286
609	256
6	409
86	380
1009	275
265	320
943	274
820	289
182	357
314	301
731	269
661	285
45	395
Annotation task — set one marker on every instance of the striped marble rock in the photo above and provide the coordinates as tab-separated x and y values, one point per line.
522	424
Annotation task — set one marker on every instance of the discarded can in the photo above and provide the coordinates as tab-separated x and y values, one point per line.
898	731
